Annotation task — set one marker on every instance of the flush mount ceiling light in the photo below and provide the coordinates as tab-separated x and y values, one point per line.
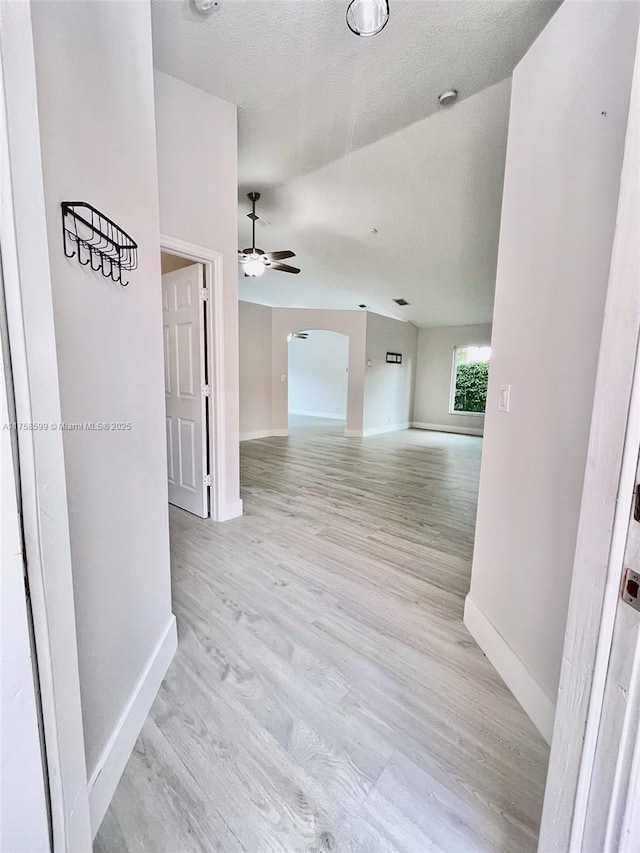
205	5
367	17
448	97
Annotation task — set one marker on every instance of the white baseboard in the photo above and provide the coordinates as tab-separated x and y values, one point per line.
258	433
511	669
104	779
387	428
280	432
307	414
353	433
230	510
461	430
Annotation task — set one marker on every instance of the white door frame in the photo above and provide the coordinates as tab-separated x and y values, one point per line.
29	308
214	355
614	443
24	806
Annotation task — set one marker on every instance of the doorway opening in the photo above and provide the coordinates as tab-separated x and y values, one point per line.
318	374
186	385
191	291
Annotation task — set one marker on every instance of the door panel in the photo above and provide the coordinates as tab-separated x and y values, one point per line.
185	357
167	362
170	468
187	454
184	379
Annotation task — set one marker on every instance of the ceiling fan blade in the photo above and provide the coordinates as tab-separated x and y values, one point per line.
284	268
279	256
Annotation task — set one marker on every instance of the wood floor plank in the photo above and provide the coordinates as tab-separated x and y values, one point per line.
179	816
325	695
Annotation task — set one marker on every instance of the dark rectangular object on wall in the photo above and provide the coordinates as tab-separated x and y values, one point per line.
394	358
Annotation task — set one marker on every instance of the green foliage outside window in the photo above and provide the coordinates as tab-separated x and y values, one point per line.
471	387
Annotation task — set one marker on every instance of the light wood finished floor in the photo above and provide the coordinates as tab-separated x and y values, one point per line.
325	695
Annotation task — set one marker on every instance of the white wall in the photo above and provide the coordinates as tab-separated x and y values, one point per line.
568	118
350	323
434	374
388	389
318	375
198	185
96	107
381	393
255	370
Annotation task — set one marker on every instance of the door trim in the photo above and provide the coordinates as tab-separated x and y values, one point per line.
29	312
608	487
214	355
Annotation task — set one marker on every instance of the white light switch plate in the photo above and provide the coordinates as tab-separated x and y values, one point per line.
504	398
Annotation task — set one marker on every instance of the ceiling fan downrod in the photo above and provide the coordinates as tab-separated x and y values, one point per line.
253	198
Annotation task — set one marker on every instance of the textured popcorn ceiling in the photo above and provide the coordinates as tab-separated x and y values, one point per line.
343	134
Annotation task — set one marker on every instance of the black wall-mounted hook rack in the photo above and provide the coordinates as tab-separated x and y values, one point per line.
97	240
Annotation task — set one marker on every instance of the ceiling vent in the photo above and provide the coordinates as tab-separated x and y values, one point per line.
401	301
362	305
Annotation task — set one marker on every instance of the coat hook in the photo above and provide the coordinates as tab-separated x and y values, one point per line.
80	246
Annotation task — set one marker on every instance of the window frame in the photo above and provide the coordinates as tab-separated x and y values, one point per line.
452	383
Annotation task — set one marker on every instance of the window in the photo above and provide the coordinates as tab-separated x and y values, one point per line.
469	380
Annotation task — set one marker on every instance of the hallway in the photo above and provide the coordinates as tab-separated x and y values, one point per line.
325	695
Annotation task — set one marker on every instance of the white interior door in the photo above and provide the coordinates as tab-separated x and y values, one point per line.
185	391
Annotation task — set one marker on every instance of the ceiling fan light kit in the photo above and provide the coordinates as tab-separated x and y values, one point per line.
254	266
367	18
255	261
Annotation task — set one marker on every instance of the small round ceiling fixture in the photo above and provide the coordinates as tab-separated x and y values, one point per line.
448	97
205	5
367	17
